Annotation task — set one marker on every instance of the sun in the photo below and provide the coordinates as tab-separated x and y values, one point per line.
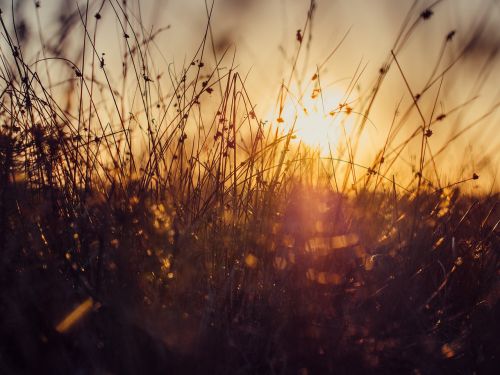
320	122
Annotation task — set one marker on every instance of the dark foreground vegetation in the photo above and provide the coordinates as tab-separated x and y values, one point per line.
206	242
357	296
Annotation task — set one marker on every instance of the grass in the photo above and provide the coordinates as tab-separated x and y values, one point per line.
154	224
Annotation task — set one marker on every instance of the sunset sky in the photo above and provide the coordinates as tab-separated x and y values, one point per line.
262	37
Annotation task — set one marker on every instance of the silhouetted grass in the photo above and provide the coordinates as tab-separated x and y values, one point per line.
185	234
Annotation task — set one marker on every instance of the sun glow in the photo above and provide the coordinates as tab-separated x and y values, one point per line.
321	121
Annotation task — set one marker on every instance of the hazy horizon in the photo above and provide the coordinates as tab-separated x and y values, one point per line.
261	36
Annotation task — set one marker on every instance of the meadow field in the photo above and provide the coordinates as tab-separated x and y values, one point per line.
165	214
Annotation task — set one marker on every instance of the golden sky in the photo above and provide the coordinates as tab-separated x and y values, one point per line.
262	35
